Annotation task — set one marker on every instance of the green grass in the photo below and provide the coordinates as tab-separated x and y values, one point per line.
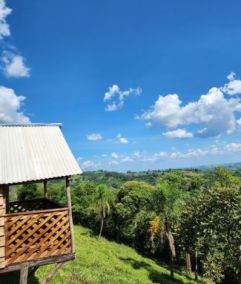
103	261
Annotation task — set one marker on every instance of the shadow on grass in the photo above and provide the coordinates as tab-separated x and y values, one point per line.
14	277
154	275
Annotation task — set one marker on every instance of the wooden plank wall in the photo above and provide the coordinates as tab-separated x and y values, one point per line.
2	225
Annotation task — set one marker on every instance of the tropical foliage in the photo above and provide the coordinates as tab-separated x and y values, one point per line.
183	218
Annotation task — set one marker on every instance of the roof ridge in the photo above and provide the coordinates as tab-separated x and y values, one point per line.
29	124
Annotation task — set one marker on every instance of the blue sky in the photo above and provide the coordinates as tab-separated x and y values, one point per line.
137	84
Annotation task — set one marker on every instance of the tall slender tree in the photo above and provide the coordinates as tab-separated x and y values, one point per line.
102	204
173	198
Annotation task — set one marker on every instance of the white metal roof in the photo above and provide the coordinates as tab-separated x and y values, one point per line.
32	152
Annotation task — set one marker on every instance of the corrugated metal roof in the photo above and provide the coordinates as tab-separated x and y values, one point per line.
33	152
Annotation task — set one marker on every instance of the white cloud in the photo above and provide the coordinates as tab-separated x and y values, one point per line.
94	137
14	65
164	111
126	159
136	154
154	160
231	76
113	91
178	133
213	112
112	107
122	139
87	165
113	162
116	97
114	155
233	87
195	153
10	105
233	147
4	12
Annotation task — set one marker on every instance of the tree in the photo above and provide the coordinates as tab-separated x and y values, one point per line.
28	192
102	204
211	224
132	212
172	197
221	177
83	197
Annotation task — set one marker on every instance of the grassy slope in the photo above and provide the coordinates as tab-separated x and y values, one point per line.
103	261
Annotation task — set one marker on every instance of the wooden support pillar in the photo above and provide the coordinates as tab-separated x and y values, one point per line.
68	195
24	273
3	205
196	265
51	274
45	189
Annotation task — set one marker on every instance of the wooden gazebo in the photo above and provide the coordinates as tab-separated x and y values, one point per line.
34	232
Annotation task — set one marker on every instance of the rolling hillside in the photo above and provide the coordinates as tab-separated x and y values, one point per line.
103	261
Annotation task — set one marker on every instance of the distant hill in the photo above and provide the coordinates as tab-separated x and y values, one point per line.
116	179
229	166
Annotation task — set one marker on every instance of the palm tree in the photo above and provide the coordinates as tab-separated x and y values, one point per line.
102	204
172	200
160	226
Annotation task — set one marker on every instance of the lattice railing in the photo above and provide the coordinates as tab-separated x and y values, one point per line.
32	205
35	235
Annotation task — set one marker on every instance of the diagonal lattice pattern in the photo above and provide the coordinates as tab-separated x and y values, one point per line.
31	236
31	205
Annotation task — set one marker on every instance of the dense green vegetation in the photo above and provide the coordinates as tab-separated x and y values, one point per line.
101	261
185	219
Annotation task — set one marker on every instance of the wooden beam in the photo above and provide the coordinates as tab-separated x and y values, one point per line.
35	212
40	262
68	195
45	189
51	274
6	187
35	181
32	270
24	273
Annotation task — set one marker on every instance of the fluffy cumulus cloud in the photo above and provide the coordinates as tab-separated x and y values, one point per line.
178	133
94	137
115	97
4	12
122	139
11	64
214	113
14	65
10	107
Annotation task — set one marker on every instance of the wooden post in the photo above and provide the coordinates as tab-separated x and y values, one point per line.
6	198
68	195
188	262
51	274
45	189
3	204
24	273
196	265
